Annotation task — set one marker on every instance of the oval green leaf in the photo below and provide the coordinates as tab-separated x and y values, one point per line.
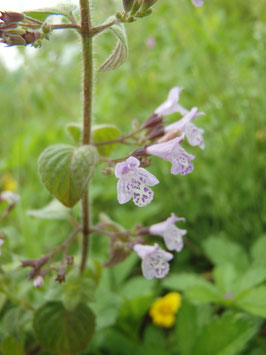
66	171
105	132
61	331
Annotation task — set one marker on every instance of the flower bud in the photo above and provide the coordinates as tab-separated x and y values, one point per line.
171	135
70	260
31	36
38	281
13	40
128	5
9	16
153	121
137	4
147	4
61	276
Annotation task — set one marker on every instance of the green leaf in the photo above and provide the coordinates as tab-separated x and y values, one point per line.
254	301
42	14
227	335
119	55
252	277
225	277
187	324
11	346
75	131
204	294
106	308
54	210
61	331
221	251
77	289
66	171
183	281
103	133
137	287
190	320
258	251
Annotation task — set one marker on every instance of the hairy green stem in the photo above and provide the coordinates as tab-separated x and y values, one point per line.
87	51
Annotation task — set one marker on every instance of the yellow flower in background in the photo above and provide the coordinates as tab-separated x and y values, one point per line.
8	183
164	309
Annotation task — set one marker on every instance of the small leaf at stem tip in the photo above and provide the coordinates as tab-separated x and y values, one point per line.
119	55
136	6
66	170
128	5
105	132
147	4
42	14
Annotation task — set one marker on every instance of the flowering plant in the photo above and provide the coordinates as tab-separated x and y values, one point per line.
116	288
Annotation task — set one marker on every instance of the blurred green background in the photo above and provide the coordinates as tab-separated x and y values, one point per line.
217	53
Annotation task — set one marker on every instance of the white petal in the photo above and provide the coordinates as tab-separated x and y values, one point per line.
123	191
147	270
148	178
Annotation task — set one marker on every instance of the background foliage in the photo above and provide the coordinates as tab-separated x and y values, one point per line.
217	54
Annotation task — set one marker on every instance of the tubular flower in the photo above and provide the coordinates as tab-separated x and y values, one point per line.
173	152
198	3
192	132
171	104
164	309
133	183
171	234
154	260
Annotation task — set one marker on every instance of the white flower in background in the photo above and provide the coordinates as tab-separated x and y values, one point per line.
173	236
154	260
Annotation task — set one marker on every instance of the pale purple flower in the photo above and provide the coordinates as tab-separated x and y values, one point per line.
228	296
154	260
171	234
1	243
38	281
173	152
198	3
150	43
133	183
9	197
192	132
171	104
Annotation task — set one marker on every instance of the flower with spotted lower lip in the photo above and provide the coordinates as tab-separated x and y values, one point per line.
154	260
133	182
173	152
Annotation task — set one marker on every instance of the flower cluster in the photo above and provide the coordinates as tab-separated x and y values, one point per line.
164	309
154	259
134	181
